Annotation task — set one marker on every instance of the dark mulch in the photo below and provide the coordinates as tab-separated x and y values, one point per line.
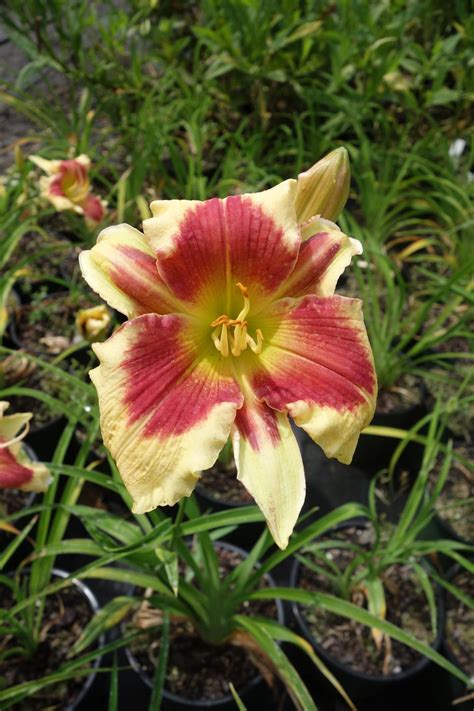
12	500
405	394
221	484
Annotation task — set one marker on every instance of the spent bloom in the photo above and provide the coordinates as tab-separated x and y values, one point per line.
233	328
93	322
17	471
67	186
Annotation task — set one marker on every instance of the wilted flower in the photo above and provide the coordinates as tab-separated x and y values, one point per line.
234	327
17	471
67	186
92	323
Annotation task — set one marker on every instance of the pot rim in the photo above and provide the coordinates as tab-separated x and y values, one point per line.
95	607
205	494
376	679
450	574
227	698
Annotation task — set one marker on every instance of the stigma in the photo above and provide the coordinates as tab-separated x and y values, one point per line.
230	335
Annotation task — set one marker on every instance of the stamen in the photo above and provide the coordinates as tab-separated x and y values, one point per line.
256	347
216	339
224	342
222	319
239	339
243	337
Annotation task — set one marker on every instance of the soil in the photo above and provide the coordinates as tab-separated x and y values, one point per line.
455	505
351	643
197	670
65	616
47	326
70	269
221	484
12	500
460	623
405	394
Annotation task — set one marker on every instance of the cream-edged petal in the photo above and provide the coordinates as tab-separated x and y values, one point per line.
323	257
121	268
204	249
317	364
167	406
11	425
269	465
84	160
13	473
49	166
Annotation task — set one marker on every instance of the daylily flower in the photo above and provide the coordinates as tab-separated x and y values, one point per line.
92	323
234	327
17	471
67	186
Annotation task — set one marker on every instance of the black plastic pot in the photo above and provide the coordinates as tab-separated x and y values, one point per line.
94	605
447	531
75	703
255	694
373	453
44	438
458	690
389	692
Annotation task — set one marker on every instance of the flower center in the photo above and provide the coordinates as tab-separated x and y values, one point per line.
230	334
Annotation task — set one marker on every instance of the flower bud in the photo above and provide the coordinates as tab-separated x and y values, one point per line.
324	188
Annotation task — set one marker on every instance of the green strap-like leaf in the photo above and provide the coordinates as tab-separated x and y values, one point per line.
280	663
160	670
110	615
283	634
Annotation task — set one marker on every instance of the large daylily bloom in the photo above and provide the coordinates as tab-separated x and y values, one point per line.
67	186
17	471
234	327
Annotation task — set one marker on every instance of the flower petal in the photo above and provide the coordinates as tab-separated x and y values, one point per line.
317	364
167	405
270	466
13	474
205	248
94	208
121	268
49	166
321	260
10	425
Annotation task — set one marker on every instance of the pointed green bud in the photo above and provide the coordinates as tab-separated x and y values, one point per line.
324	188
